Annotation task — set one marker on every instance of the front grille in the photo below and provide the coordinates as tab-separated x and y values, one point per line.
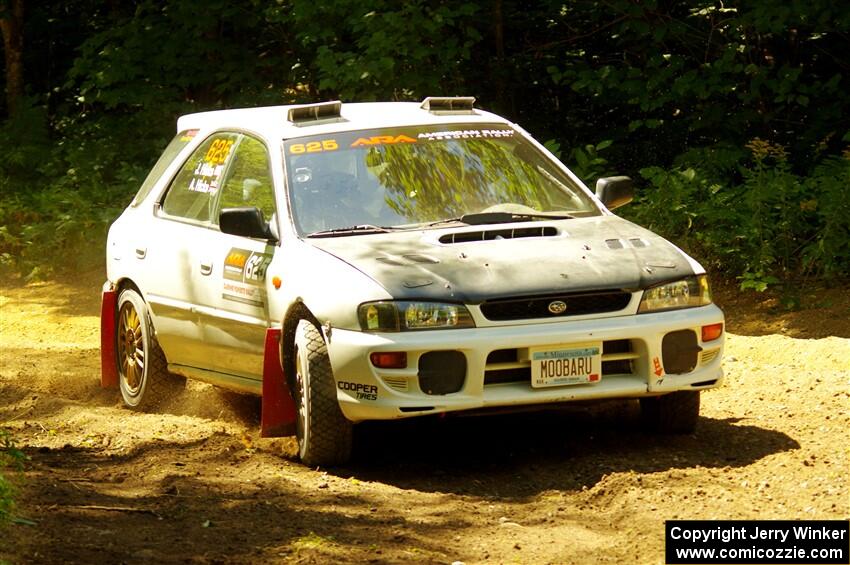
616	346
499	376
621	367
504	366
577	304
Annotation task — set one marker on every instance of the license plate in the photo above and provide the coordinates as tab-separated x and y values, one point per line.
566	365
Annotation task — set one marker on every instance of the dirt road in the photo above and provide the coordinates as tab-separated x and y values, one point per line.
196	484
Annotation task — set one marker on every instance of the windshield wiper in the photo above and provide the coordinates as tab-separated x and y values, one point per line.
498	218
358	229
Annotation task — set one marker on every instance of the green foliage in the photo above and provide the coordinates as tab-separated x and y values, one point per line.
164	57
57	201
692	74
676	90
588	163
46	230
772	226
24	140
10	458
383	50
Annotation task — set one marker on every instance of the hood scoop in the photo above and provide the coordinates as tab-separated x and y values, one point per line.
488	235
407	260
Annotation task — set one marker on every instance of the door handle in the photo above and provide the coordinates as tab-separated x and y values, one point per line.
206	268
141	252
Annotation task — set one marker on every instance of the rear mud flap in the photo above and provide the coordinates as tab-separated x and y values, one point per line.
278	410
108	361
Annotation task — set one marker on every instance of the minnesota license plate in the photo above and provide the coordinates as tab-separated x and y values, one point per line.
566	365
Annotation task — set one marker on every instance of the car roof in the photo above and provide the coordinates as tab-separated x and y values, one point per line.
273	121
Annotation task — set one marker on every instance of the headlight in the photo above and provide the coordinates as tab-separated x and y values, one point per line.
686	293
397	316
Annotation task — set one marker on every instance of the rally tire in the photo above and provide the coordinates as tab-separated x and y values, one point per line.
324	435
143	376
673	413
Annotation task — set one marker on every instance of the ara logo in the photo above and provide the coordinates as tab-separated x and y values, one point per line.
382	140
558	307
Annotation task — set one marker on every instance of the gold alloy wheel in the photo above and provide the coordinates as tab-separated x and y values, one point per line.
300	393
131	348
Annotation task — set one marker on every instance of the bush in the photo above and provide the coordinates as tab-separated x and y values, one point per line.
57	200
10	457
758	220
50	230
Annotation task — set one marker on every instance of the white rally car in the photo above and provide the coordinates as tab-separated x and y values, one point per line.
352	262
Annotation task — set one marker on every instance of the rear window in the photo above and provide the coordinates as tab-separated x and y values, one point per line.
177	144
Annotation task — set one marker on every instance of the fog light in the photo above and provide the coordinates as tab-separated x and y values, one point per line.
712	332
389	359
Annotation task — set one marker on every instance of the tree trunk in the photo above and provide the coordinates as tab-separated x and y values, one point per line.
498	73
12	26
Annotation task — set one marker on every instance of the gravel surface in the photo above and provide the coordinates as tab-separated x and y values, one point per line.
196	484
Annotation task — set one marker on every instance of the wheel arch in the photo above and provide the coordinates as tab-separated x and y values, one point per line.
125	283
323	434
296	312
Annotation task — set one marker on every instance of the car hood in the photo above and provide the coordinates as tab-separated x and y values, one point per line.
576	255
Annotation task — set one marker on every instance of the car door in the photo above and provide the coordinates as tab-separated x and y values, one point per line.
233	302
177	253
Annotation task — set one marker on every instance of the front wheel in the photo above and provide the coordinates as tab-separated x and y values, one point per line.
143	375
323	433
673	413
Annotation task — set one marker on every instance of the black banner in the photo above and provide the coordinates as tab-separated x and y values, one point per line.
762	542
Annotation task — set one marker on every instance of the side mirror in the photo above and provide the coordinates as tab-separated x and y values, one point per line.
246	222
615	191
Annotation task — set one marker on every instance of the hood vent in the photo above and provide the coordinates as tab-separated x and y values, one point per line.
485	235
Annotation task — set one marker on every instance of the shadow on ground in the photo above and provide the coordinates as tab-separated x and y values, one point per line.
521	455
230	498
203	501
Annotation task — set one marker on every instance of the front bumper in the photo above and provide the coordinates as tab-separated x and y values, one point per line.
369	393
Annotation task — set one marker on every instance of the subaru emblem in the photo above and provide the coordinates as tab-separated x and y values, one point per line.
558	307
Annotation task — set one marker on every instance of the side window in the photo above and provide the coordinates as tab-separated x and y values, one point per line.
193	191
249	180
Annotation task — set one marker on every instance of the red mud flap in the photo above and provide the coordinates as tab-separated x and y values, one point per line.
108	366
278	411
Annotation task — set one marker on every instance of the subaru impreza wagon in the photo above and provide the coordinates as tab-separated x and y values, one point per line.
352	262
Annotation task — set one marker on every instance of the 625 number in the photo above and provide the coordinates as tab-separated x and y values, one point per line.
313	147
218	151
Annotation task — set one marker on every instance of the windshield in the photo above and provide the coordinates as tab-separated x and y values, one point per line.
412	176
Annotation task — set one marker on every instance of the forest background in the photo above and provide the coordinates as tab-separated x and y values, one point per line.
732	117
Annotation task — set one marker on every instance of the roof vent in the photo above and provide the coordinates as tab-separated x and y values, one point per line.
322	112
449	104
